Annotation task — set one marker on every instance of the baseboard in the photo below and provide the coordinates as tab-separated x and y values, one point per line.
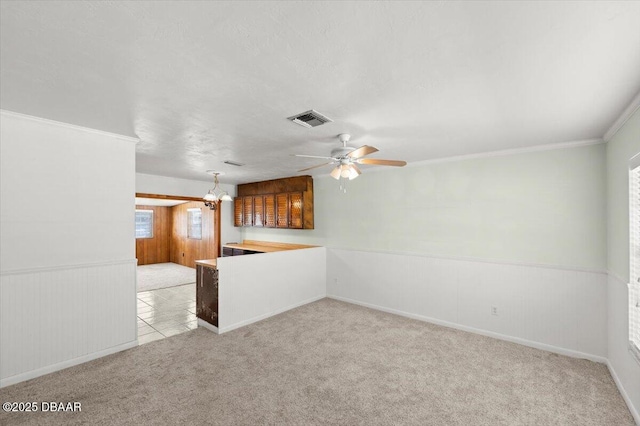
623	392
202	323
65	364
270	314
532	344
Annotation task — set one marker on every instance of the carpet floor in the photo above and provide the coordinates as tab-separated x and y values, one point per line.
328	363
163	275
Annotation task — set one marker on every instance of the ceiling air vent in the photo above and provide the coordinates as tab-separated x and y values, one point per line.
310	118
233	163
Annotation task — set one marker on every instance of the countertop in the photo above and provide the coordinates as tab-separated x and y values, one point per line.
208	262
266	246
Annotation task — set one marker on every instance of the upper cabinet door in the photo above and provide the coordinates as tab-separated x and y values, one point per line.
282	210
278	203
270	211
248	211
237	211
295	210
258	211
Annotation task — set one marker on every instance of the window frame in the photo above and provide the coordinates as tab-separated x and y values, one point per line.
151	223
634	257
191	223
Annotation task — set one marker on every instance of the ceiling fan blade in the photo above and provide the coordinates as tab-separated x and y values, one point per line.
354	167
312	156
335	173
313	167
362	151
379	162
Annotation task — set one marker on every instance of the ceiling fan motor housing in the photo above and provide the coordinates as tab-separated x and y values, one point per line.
342	151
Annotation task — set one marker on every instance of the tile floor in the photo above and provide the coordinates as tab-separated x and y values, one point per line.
166	312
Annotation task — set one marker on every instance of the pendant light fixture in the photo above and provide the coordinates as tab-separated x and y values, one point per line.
215	194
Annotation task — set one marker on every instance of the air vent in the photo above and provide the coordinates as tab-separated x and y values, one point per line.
233	163
310	118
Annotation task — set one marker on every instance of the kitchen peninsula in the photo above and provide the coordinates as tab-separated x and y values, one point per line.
236	290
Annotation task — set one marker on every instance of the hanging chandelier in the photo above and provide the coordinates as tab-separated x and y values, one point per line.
215	195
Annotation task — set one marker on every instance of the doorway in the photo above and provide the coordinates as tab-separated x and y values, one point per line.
172	232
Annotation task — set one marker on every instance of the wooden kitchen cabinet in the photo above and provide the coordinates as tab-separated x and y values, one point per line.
270	211
247	217
258	211
281	203
289	210
238	212
295	210
282	210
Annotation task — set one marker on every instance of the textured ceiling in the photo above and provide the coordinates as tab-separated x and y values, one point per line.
204	82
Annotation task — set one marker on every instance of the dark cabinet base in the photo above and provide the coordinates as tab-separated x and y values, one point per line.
207	294
229	251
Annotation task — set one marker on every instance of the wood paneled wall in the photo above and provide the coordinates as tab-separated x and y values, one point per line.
156	249
185	251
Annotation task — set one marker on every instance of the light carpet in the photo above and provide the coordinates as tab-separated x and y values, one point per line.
162	275
329	363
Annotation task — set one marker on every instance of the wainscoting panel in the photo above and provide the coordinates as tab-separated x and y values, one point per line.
50	317
551	308
255	287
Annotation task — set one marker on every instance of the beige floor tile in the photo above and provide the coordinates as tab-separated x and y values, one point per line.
145	329
150	337
145	309
173	331
180	318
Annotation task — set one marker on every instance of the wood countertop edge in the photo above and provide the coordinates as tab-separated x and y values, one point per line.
208	262
266	247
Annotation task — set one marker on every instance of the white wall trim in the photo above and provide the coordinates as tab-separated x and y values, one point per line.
202	323
67	267
65	364
476	259
536	345
626	114
68	126
269	314
623	392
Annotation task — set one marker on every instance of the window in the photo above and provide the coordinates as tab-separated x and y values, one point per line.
194	224
634	256
144	223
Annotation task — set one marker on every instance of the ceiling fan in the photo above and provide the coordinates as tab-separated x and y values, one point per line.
347	158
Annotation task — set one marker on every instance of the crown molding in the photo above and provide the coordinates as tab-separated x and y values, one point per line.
626	114
514	151
501	153
7	113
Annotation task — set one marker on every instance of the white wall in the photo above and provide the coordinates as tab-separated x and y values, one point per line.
258	286
67	251
153	184
545	207
624	145
445	241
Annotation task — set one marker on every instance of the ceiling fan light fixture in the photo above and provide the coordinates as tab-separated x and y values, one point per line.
335	173
353	173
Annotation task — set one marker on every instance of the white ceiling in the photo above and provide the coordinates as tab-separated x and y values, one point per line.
204	82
